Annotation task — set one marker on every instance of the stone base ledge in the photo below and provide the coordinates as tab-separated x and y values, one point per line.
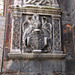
35	56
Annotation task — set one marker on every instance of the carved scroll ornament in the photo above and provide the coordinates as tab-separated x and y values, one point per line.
37	2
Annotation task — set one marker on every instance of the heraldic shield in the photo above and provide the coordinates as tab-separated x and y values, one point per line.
35	37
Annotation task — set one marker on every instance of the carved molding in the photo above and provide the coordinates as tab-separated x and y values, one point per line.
36	56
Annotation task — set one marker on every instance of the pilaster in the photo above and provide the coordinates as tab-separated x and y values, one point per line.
56	34
16	32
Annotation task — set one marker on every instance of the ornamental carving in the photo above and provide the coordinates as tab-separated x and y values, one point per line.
37	35
57	37
16	33
37	2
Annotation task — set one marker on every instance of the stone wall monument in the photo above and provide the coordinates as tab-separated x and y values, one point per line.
35	38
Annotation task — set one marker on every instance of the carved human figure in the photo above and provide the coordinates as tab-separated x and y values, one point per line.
29	29
32	24
47	27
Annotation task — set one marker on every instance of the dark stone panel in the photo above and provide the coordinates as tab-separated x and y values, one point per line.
13	65
29	66
42	67
70	65
68	73
67	32
51	65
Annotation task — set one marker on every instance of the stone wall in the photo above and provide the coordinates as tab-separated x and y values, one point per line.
70	68
68	34
2	28
68	31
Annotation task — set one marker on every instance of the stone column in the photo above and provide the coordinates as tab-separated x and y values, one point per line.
56	34
16	32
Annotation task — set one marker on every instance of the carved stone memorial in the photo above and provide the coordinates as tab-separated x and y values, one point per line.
36	37
36	27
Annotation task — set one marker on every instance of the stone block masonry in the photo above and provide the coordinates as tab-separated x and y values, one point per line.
2	28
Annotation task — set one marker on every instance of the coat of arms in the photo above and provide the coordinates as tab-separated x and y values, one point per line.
36	37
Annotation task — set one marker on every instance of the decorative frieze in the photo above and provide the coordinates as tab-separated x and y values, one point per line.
36	3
